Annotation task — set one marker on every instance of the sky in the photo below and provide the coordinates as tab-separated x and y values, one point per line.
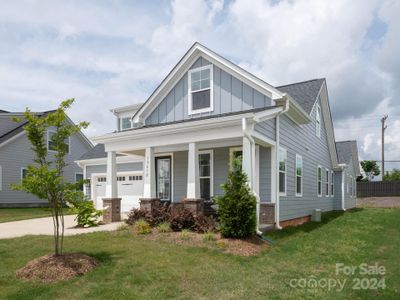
113	53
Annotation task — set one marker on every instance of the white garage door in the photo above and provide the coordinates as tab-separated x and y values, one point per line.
130	189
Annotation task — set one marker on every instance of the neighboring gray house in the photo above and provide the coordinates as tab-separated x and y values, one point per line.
179	144
16	154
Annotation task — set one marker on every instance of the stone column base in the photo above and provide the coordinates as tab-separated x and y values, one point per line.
149	204
196	206
267	213
113	211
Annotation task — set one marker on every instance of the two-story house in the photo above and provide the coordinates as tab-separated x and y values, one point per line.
180	142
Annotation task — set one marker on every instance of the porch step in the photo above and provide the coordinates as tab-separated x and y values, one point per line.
266	227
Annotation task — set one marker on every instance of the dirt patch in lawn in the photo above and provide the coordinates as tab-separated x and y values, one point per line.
51	268
243	247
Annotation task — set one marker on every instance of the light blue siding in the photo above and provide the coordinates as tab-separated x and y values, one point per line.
267	128
265	174
229	95
180	175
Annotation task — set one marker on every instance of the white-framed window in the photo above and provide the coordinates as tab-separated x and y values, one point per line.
326	183
125	123
200	90
332	184
79	178
24	171
299	175
206	174
1	178
234	153
51	147
282	171
318	121
319	181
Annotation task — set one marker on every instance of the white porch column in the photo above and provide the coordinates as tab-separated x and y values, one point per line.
193	181
111	184
247	160
149	185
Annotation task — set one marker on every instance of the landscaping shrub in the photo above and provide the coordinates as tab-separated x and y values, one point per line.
209	237
182	219
164	227
135	215
142	227
159	215
203	224
237	207
87	214
185	234
122	227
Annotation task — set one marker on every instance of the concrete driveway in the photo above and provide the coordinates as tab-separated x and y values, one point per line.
45	226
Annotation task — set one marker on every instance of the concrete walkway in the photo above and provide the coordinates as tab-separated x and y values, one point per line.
45	226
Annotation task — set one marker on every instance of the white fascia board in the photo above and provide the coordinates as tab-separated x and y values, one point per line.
128	108
267	114
103	161
12	138
184	64
295	112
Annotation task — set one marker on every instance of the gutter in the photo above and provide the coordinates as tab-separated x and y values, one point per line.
277	139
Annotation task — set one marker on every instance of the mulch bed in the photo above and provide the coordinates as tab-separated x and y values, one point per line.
51	268
243	247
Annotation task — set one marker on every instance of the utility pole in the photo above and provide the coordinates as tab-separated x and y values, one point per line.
383	120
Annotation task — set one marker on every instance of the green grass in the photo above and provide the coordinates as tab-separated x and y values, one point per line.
135	268
17	214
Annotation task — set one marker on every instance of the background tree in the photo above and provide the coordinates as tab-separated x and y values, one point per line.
45	178
393	175
237	207
370	168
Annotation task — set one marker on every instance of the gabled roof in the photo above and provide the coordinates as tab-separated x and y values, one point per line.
3	111
347	152
304	93
96	152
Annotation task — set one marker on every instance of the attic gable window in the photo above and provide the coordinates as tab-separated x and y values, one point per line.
125	123
200	90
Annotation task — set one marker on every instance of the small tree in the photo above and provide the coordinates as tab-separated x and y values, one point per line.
45	178
237	207
370	168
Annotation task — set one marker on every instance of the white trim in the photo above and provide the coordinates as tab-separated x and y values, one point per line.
318	121
12	138
279	171
103	160
295	176
332	187
48	139
327	183
192	111
171	154
1	178
211	152
319	181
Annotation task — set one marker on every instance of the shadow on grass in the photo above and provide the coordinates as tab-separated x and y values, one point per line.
102	257
309	226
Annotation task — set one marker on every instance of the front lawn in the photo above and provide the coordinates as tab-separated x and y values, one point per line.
133	267
17	214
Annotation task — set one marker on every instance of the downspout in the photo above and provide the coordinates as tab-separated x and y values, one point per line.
277	139
252	156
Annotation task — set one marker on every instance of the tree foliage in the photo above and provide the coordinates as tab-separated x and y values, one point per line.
45	177
237	207
370	168
394	175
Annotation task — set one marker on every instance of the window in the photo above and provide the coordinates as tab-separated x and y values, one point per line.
282	171
234	153
50	144
24	172
101	179
1	179
319	178
135	178
205	174
318	121
78	179
299	175
332	185
200	90
125	123
326	183
120	178
164	177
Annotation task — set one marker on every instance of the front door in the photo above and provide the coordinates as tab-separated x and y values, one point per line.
163	178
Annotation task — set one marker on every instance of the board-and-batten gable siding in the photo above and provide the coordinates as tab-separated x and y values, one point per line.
302	140
229	95
18	154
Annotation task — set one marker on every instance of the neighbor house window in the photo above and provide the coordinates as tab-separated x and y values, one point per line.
318	121
200	90
319	177
206	173
332	185
326	183
282	171
24	172
125	123
299	175
79	179
51	146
